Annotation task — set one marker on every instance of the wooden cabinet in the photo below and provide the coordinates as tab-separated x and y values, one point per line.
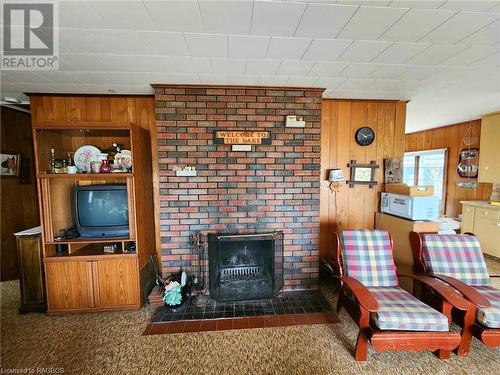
489	152
93	284
87	278
117	282
484	222
400	229
69	285
31	278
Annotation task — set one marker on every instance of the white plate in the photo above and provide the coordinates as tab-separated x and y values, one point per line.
124	157
85	155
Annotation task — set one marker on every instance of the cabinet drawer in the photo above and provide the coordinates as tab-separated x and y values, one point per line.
467	219
487	213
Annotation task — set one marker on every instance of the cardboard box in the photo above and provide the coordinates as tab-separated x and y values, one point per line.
412	191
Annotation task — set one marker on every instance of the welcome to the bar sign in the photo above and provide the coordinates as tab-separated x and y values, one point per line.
242	137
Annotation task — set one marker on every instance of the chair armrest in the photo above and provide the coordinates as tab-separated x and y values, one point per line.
467	291
455	299
330	266
362	294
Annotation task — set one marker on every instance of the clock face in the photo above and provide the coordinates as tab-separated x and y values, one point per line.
364	136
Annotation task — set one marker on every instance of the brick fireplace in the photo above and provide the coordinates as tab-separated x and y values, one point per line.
270	188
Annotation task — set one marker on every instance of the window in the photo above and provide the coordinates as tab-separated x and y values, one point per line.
426	168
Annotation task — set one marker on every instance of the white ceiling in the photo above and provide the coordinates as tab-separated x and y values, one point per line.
443	56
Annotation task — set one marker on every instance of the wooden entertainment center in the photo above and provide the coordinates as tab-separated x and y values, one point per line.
87	278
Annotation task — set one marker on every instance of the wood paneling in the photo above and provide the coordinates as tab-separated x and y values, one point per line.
450	137
355	207
19	207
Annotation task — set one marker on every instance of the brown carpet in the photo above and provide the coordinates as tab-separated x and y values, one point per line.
111	343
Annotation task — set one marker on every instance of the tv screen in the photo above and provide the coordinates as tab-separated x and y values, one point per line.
101	210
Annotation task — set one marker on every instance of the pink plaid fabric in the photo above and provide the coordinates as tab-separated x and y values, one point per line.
399	310
455	255
367	257
489	316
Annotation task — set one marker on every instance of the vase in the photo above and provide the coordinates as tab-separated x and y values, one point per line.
105	168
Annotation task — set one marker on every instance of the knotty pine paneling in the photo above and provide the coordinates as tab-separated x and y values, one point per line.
451	137
355	207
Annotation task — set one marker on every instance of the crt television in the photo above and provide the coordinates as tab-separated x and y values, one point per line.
101	211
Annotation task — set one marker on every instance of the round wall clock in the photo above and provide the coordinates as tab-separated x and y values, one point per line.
364	136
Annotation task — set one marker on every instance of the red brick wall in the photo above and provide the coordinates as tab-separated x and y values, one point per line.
273	187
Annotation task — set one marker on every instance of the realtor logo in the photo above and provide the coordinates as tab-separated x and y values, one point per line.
30	36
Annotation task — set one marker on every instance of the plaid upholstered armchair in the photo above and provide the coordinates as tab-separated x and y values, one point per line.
389	317
457	260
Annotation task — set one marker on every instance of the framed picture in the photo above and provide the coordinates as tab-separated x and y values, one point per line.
393	170
362	174
9	164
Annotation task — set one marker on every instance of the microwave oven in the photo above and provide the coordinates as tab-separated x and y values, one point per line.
413	208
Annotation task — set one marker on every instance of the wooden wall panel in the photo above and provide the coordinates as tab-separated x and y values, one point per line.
355	207
450	137
18	203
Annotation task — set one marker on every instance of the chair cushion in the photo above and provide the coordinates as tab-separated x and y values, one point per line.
367	257
490	316
399	310
455	255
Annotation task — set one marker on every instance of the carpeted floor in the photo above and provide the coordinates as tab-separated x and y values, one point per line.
111	343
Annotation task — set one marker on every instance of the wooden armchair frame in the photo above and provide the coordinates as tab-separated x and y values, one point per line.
383	340
465	319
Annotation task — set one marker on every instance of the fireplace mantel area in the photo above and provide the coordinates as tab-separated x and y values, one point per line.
272	187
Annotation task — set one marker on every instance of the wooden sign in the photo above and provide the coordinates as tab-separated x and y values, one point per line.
242	137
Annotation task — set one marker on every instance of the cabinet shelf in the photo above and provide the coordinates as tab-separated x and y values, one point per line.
84	176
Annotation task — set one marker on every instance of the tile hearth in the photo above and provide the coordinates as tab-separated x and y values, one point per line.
288	308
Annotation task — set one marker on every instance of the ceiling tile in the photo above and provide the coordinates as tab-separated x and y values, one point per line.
276	17
489	61
243	79
415	24
419	72
121	63
459	26
471	6
175	15
207	44
78	40
91	77
327	69
127	15
489	34
329	83
324	20
355	84
326	49
272	80
214	79
162	43
295	67
118	41
181	78
471	55
262	66
78	14
228	66
388	71
287	48
424	4
378	3
369	23
24	76
363	50
400	52
301	81
189	64
79	62
436	53
226	16
248	45
58	76
153	64
357	70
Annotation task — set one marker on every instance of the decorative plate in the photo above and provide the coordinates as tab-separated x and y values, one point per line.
85	155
